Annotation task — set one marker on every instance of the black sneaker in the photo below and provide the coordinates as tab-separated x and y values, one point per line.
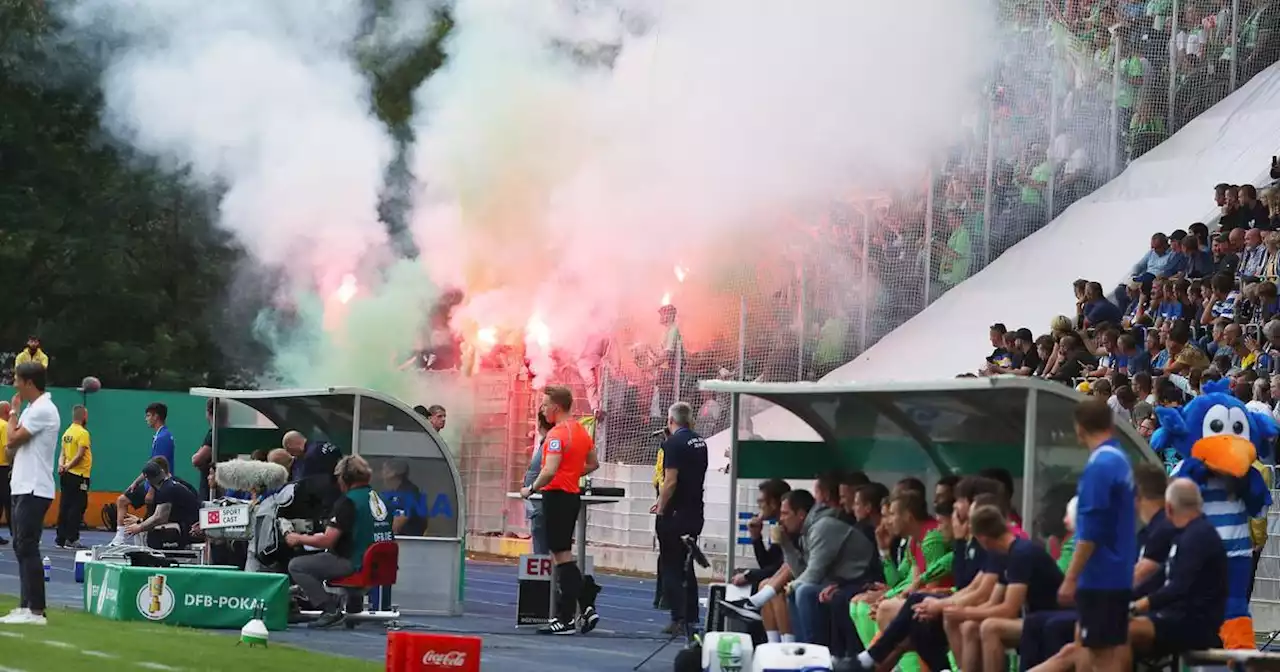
328	619
557	627
588	620
4	542
743	608
75	546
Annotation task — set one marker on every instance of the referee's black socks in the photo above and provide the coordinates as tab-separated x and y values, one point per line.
569	579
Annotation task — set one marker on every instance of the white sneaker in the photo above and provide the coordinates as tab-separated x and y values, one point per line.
20	611
25	618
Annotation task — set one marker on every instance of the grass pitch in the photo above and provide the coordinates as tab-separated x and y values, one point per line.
76	642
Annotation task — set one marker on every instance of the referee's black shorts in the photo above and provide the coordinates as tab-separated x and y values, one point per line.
560	509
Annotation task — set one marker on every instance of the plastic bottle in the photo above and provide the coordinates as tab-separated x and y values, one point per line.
731	656
48	569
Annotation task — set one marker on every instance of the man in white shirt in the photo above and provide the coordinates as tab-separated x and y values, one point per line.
33	439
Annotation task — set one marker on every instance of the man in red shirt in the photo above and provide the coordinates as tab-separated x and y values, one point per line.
568	454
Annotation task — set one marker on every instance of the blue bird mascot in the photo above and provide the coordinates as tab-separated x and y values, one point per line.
1215	441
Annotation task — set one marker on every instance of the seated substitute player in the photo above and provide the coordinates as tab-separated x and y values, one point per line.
769	559
918	624
139	493
177	509
1029	584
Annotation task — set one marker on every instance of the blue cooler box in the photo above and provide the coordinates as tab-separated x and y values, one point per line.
82	557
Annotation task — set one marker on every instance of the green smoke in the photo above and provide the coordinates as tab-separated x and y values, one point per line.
378	332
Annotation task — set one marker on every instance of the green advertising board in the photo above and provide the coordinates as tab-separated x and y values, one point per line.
191	597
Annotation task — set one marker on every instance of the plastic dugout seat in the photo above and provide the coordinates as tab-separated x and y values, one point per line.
379	569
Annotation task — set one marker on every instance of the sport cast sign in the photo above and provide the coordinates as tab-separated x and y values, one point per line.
192	597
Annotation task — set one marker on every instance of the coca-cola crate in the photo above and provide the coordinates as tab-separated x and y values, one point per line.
432	652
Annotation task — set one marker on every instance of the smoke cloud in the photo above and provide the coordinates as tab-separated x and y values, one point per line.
574	153
266	104
575	162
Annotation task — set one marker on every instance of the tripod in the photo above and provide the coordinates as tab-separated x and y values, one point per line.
693	642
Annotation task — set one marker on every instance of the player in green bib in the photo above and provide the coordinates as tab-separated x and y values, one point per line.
359	520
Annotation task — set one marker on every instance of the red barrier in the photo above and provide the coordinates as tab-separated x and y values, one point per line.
431	652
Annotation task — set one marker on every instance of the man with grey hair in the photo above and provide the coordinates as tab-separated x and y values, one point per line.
1188	610
680	515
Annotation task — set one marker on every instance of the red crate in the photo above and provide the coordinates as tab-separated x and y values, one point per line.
431	652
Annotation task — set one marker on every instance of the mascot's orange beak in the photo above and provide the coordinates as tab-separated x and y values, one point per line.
1226	454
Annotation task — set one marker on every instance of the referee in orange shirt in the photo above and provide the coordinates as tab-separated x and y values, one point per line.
568	454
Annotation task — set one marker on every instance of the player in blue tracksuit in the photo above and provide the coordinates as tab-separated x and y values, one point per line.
1100	578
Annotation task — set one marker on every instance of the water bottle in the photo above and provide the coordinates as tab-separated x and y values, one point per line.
48	569
730	655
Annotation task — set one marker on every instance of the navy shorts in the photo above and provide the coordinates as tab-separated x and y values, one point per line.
1104	617
137	495
1175	634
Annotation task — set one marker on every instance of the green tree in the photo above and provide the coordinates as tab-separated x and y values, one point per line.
117	264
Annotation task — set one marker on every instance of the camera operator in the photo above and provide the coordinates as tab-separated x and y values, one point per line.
680	515
359	520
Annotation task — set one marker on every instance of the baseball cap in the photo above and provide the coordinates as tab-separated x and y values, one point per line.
152	470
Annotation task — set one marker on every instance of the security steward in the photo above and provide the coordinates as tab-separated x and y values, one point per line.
680	516
74	466
359	519
569	454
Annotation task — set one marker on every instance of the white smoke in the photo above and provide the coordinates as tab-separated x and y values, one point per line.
552	182
262	99
569	154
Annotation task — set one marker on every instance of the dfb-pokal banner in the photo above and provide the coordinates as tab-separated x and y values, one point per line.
192	597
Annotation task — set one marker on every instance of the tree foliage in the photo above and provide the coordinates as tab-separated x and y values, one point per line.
118	265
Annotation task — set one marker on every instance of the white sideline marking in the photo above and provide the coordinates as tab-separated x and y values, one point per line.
56	644
98	654
151	666
9	669
15	635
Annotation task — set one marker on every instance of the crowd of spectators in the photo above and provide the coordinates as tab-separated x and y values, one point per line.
1198	306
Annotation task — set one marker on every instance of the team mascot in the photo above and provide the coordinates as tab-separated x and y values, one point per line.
1218	441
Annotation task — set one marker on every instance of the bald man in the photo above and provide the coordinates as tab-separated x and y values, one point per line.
310	458
6	509
281	457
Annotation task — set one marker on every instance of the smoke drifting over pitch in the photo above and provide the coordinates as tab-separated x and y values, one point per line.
568	156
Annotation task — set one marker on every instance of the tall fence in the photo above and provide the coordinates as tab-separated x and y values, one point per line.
1080	89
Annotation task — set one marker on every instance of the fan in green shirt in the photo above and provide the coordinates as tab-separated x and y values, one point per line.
957	255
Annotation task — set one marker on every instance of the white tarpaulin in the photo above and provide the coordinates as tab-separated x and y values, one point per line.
1098	238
